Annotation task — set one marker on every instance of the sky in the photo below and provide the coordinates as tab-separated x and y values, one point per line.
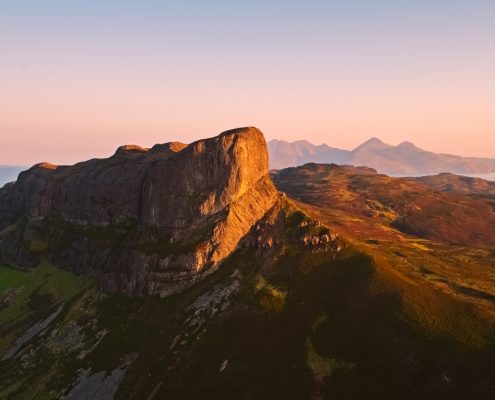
80	78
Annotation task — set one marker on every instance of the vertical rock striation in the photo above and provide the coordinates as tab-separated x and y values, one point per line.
144	221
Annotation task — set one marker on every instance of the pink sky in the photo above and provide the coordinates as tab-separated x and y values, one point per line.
77	83
64	128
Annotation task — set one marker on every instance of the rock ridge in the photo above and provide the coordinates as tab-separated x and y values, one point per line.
143	221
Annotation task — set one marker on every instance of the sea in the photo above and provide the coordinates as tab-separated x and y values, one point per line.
487	177
9	173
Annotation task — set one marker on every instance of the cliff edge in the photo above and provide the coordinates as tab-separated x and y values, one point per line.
144	221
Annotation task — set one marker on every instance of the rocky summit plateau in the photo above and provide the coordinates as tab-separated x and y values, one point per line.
144	221
191	271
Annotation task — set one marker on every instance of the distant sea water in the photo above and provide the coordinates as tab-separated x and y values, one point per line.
487	177
9	173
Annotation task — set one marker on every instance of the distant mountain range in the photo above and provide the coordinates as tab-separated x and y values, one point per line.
400	160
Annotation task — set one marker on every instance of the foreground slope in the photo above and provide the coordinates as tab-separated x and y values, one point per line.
287	320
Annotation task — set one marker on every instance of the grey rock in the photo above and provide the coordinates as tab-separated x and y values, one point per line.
144	221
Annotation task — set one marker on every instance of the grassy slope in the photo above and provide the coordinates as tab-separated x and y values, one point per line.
340	334
406	204
296	324
27	298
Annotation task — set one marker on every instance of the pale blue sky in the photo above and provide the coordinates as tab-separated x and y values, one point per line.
79	78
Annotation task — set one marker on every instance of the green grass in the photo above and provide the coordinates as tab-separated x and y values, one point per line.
30	297
334	335
272	298
303	324
46	279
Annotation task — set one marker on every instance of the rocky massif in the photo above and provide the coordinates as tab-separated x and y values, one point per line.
144	221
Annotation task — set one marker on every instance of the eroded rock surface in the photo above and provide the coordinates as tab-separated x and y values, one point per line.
144	221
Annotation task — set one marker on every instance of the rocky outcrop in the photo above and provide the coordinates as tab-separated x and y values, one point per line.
144	221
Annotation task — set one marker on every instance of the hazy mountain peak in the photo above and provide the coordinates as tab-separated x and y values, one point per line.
374	140
373	143
403	159
285	154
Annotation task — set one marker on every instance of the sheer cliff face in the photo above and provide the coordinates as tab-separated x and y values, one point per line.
207	177
144	221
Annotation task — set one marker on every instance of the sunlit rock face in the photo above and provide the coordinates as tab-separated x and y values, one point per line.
144	221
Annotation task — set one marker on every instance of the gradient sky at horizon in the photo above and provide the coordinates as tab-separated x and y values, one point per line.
79	78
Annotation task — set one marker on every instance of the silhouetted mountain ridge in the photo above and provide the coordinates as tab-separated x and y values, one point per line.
403	159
